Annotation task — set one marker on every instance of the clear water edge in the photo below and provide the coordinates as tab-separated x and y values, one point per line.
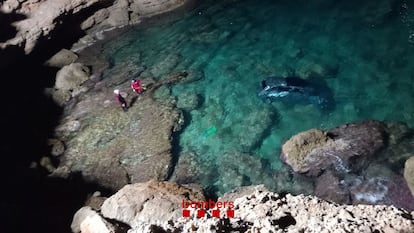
235	44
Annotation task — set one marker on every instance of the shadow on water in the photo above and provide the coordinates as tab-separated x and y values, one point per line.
27	121
176	148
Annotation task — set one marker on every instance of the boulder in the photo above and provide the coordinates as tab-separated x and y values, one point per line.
71	77
87	220
148	203
39	26
344	148
409	173
63	58
156	207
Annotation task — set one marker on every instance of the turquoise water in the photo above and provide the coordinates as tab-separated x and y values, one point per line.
363	50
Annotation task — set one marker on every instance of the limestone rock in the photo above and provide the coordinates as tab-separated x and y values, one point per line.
296	149
155	207
62	58
43	17
70	77
87	220
114	148
409	173
314	151
148	203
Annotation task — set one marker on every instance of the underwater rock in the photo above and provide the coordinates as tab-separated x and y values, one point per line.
188	169
298	151
165	64
188	101
409	173
314	151
246	172
148	203
257	122
317	70
288	181
71	76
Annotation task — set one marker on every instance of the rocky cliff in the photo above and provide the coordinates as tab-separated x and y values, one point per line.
29	21
157	207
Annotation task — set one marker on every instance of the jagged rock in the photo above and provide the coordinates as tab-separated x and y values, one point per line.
314	151
188	101
148	203
63	58
154	207
187	169
87	220
38	26
409	173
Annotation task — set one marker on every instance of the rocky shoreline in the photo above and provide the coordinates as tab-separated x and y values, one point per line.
157	207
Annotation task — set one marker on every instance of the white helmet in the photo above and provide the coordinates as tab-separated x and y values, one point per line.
116	91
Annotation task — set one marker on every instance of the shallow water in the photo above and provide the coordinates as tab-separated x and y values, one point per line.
363	51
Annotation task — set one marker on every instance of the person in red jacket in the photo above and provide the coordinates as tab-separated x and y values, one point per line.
121	100
137	86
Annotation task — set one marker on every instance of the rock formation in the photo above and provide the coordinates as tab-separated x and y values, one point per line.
314	151
38	19
255	210
347	163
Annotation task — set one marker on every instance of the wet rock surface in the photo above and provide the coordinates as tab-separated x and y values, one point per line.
350	163
314	151
112	147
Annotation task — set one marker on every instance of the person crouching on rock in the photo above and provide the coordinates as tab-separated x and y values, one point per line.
137	86
120	100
